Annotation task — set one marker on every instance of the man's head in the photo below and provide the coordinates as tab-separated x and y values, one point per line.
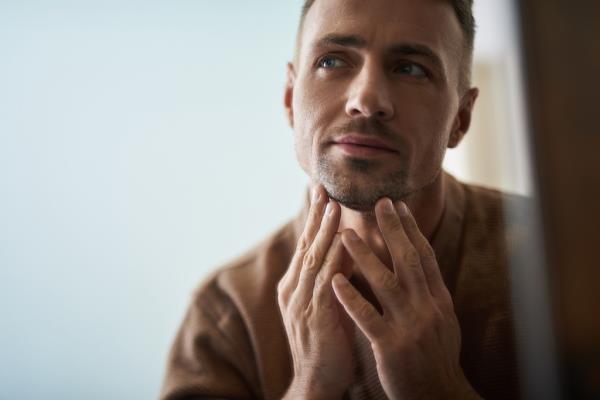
463	9
391	74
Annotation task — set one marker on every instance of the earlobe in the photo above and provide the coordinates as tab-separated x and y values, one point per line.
463	119
289	94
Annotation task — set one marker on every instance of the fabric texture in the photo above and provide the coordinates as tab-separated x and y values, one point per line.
232	343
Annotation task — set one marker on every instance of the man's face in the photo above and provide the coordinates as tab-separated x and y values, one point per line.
373	96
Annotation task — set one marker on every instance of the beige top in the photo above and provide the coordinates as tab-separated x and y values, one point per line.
232	343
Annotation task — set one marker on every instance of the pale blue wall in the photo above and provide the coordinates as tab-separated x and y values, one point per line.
135	136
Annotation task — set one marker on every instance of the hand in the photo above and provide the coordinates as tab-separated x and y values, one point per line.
317	327
416	342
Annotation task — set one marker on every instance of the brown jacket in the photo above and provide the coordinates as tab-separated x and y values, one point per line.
232	344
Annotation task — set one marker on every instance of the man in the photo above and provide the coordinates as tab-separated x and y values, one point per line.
393	282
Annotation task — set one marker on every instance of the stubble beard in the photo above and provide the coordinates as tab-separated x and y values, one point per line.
358	185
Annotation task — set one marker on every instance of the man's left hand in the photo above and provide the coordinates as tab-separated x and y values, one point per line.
416	341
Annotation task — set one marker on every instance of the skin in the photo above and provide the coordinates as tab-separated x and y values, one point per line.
415	339
349	77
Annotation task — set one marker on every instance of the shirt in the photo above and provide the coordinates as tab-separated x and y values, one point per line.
232	343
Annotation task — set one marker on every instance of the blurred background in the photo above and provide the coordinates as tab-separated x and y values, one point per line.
143	144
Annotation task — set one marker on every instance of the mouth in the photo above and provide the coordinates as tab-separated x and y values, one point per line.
361	146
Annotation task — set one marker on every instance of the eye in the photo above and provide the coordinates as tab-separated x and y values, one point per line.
329	62
410	69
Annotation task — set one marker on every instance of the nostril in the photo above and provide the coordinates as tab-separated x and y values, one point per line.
355	112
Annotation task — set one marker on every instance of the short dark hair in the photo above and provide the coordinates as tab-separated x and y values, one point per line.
464	12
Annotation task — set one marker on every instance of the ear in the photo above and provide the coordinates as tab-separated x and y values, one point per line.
289	94
463	118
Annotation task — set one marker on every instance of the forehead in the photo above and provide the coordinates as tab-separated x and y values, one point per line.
384	23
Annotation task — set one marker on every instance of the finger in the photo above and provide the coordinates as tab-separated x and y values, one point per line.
322	292
315	215
431	270
363	313
313	259
385	284
313	223
406	260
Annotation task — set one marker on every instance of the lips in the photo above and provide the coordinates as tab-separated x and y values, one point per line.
364	147
363	141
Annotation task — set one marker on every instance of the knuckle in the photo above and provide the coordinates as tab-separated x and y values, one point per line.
280	286
310	261
282	303
324	301
394	224
319	281
411	258
428	254
283	295
302	245
391	282
328	260
428	251
434	319
281	306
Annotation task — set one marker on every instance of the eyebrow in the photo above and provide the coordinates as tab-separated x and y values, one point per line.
415	49
406	49
342	40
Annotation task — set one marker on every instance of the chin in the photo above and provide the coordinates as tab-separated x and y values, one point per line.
359	184
359	197
365	208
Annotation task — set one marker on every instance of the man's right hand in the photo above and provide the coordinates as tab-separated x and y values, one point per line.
318	329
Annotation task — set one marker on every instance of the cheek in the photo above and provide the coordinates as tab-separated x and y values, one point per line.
314	113
305	122
302	152
427	120
433	120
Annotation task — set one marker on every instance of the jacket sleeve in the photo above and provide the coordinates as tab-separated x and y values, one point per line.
211	357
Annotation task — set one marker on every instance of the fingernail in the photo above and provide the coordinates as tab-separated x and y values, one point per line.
329	209
352	236
389	206
403	209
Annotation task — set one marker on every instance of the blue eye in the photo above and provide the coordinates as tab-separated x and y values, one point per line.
410	69
331	62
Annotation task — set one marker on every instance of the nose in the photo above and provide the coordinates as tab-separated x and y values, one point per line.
369	95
